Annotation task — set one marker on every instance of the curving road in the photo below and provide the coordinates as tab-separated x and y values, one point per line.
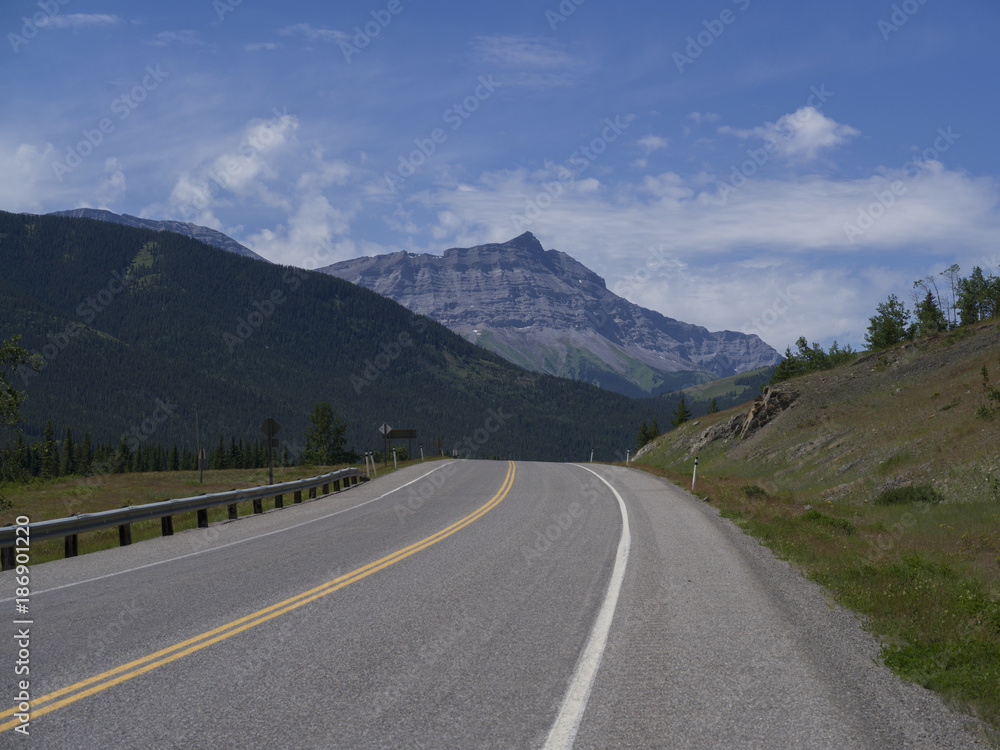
458	605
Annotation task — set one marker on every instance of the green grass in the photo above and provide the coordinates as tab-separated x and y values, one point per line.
43	500
919	561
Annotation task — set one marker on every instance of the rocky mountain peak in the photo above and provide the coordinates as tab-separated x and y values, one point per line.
546	311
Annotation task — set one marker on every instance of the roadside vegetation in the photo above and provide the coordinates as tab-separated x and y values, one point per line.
44	499
882	483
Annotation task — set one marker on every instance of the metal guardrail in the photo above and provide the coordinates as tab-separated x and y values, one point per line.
69	528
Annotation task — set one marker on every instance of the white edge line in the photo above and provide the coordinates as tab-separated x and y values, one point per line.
230	544
564	730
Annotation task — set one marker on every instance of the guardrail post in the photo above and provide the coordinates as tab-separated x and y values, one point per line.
297	498
354	480
124	535
312	493
7	558
258	506
202	519
233	512
336	485
167	526
279	501
72	546
326	489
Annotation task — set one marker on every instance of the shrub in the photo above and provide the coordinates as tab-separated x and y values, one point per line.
914	493
753	490
841	524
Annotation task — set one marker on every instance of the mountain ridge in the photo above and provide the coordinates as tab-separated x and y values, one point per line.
207	235
548	312
231	342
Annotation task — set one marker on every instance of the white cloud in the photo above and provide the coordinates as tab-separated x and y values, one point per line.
241	174
653	143
28	177
800	135
730	261
257	46
113	186
315	34
530	62
185	38
81	20
312	237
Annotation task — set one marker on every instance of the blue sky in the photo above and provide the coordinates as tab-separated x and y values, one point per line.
777	168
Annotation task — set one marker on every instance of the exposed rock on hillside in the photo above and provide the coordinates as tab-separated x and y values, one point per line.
774	399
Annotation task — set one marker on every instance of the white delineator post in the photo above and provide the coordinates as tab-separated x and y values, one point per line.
694	475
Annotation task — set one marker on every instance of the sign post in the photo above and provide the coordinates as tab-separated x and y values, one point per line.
270	428
385	429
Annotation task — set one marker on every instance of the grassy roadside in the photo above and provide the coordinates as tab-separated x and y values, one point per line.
41	500
880	484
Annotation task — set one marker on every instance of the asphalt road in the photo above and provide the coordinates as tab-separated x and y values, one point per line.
458	605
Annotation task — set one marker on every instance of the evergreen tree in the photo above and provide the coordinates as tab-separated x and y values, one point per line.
643	437
654	430
217	460
235	454
929	317
15	357
175	459
789	367
68	466
258	456
325	438
889	325
49	454
978	297
713	407
85	456
122	458
681	414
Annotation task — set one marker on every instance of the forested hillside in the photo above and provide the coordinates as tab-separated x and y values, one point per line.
139	329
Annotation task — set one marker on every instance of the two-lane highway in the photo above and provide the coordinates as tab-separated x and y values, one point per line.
458	605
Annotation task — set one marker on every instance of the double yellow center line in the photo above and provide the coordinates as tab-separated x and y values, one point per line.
71	694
